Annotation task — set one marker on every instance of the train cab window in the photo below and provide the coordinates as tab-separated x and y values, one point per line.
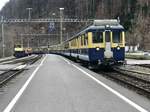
97	37
117	37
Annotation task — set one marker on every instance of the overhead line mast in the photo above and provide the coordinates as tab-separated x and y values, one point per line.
44	20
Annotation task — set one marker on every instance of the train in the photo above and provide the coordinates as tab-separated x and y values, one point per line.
102	43
20	51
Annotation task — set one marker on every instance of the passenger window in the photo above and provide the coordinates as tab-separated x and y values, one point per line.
117	37
72	43
86	40
82	41
97	37
75	42
67	45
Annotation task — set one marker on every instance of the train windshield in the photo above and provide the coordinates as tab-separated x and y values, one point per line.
97	37
117	37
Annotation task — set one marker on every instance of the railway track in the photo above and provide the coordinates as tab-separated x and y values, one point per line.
134	73
146	66
19	60
7	75
4	77
5	60
32	60
136	83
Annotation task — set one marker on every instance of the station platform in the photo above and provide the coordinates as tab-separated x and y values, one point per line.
137	62
59	85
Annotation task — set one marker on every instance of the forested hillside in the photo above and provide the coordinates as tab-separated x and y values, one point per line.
134	14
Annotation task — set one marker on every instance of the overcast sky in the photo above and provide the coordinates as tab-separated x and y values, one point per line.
2	3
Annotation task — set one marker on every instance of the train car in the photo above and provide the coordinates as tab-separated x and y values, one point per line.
19	51
101	43
28	51
39	51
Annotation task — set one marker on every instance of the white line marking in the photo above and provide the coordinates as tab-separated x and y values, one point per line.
66	60
20	67
16	98
139	108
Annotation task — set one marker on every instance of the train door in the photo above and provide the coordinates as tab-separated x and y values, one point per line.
108	53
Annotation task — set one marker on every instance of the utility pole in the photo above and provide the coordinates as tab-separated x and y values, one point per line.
29	18
29	14
61	25
38	42
21	40
3	38
67	36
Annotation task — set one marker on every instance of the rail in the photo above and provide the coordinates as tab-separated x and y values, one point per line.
6	76
45	20
139	84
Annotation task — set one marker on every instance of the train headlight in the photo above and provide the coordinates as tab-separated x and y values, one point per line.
118	48
97	49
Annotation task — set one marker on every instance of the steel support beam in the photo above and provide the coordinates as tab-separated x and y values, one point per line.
45	20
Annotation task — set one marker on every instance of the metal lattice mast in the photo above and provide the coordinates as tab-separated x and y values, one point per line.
61	25
3	38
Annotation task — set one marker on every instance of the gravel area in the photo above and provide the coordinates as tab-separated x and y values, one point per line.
144	73
136	68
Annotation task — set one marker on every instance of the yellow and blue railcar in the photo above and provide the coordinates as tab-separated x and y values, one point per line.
19	51
101	43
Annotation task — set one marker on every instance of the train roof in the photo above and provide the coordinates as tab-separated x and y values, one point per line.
107	27
105	22
101	25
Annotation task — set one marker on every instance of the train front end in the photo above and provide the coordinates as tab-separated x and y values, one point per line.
106	42
19	51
